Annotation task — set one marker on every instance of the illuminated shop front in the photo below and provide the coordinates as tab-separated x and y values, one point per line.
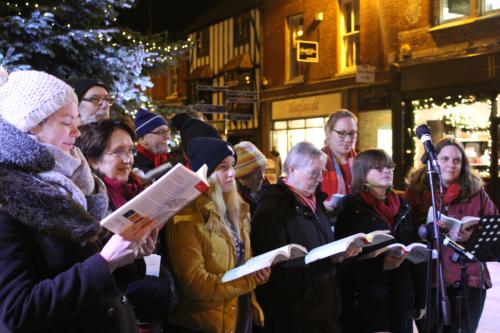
457	97
301	119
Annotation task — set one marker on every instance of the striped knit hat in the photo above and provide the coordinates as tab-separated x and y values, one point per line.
145	122
249	159
29	97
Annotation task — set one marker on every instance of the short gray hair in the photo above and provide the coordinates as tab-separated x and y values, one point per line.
302	154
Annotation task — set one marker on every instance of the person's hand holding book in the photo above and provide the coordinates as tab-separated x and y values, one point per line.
261	276
392	259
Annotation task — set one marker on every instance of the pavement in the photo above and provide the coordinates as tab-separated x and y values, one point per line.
490	320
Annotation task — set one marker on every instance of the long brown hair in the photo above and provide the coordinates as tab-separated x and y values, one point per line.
363	163
470	183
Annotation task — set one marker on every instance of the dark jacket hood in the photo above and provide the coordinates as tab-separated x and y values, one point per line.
32	202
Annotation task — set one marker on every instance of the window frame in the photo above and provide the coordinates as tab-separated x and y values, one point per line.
203	42
476	9
293	68
241	29
349	40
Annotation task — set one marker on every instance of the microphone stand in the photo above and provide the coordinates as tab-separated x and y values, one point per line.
435	243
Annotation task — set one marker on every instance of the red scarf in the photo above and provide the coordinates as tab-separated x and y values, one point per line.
158	159
450	194
386	209
119	192
306	200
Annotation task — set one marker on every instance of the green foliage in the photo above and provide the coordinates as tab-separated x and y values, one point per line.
79	38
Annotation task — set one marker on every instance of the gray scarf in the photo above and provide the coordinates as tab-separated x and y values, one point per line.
71	174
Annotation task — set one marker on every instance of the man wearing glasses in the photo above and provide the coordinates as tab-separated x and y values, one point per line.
93	98
152	149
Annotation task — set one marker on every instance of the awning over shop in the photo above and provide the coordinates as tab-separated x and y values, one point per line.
241	62
200	73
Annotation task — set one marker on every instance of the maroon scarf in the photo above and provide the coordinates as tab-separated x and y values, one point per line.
308	201
450	194
119	192
386	209
158	159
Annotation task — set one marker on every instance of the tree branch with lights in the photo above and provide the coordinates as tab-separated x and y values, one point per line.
81	39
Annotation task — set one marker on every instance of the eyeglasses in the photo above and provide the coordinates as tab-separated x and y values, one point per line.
161	132
381	167
315	174
97	100
344	134
123	152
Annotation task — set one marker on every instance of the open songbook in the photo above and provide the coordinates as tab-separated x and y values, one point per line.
160	201
291	251
340	246
454	225
417	252
264	260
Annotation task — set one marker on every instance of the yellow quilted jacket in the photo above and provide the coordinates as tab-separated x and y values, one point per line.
200	253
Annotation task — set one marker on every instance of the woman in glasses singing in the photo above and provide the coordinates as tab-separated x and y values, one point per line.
463	195
379	293
109	147
341	131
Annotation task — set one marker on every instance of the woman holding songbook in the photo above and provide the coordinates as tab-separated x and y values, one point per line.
208	238
378	294
463	195
57	275
109	147
298	297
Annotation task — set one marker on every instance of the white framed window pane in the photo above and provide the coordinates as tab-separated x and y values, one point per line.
491	5
280	125
454	9
295	136
315	122
350	33
299	123
295	32
316	136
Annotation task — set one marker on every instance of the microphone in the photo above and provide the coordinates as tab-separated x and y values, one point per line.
424	134
458	248
425	231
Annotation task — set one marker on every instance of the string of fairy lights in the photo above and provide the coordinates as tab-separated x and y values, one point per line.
163	49
456	118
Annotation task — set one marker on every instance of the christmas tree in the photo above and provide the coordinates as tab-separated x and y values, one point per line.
79	38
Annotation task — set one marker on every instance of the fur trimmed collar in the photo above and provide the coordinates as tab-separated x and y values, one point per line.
29	200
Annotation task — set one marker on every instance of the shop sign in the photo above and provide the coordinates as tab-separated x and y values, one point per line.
307	107
307	51
365	74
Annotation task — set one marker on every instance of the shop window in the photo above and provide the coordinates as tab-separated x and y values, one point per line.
172	86
199	96
202	43
450	10
375	128
241	30
238	80
295	29
288	133
464	117
349	34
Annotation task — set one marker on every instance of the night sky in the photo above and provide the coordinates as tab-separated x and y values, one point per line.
165	15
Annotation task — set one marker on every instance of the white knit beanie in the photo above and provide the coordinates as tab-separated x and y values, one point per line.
29	97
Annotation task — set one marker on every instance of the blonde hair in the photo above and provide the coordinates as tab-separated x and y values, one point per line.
227	205
336	116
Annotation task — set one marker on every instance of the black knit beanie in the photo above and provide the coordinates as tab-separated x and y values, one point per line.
209	151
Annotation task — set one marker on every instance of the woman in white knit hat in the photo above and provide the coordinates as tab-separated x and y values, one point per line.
56	276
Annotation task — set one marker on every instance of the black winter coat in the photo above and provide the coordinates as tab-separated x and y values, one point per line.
52	277
297	297
374	299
